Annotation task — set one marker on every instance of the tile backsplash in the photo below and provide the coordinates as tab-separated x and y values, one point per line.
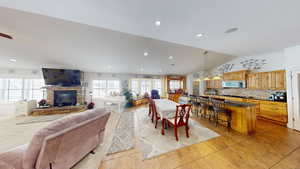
258	94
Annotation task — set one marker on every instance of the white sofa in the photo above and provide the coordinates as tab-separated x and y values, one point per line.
13	109
25	107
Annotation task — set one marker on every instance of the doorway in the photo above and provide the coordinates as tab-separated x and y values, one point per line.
295	97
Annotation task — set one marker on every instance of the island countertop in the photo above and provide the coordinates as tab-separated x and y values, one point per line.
238	104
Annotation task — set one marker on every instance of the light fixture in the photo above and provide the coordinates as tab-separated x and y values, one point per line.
170	57
12	60
157	23
216	78
206	78
146	53
199	35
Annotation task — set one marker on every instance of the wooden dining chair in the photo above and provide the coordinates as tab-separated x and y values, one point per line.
150	113
155	115
181	119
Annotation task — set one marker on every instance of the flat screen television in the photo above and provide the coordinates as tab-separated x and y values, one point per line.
62	77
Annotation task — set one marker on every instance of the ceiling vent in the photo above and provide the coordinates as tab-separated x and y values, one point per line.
231	30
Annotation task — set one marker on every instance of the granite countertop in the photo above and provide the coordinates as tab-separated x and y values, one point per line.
251	98
238	104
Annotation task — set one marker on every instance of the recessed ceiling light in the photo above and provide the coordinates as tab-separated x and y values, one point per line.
172	64
157	23
231	30
171	57
146	53
199	35
12	60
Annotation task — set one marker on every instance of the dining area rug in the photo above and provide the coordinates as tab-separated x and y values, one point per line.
152	143
123	138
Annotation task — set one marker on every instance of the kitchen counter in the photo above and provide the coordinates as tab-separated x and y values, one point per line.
243	115
239	104
273	111
244	97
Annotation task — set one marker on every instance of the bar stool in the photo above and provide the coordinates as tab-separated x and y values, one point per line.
193	101
219	108
203	102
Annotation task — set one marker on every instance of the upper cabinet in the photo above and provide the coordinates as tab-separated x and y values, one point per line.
254	81
274	80
235	76
213	84
280	83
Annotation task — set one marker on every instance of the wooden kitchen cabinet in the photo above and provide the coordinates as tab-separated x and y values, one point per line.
214	84
254	81
257	105
235	76
280	82
274	80
274	111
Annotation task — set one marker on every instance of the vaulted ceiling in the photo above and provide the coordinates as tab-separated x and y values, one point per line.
112	35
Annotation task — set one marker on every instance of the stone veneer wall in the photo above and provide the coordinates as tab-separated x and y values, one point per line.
258	94
50	93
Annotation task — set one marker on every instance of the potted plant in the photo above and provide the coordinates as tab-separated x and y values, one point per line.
129	98
91	105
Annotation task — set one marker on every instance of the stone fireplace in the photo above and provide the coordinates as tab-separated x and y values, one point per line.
64	95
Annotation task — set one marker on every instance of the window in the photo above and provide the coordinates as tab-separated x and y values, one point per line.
105	87
141	86
33	89
135	86
3	89
21	89
145	86
175	84
15	89
157	85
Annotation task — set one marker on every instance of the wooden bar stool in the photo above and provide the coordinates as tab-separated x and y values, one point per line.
219	108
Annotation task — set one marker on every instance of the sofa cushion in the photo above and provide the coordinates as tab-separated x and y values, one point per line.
31	154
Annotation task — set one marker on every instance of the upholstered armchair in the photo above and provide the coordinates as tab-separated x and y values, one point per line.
155	94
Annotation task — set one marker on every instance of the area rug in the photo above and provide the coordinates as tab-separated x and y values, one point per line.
124	133
38	119
152	143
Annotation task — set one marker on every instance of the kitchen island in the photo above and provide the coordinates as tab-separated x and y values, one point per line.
243	116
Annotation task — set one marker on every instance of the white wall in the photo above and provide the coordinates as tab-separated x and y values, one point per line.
275	61
20	73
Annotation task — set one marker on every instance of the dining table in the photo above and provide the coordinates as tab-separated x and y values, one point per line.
166	109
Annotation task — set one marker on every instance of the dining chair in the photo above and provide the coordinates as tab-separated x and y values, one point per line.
219	108
150	113
155	115
181	119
